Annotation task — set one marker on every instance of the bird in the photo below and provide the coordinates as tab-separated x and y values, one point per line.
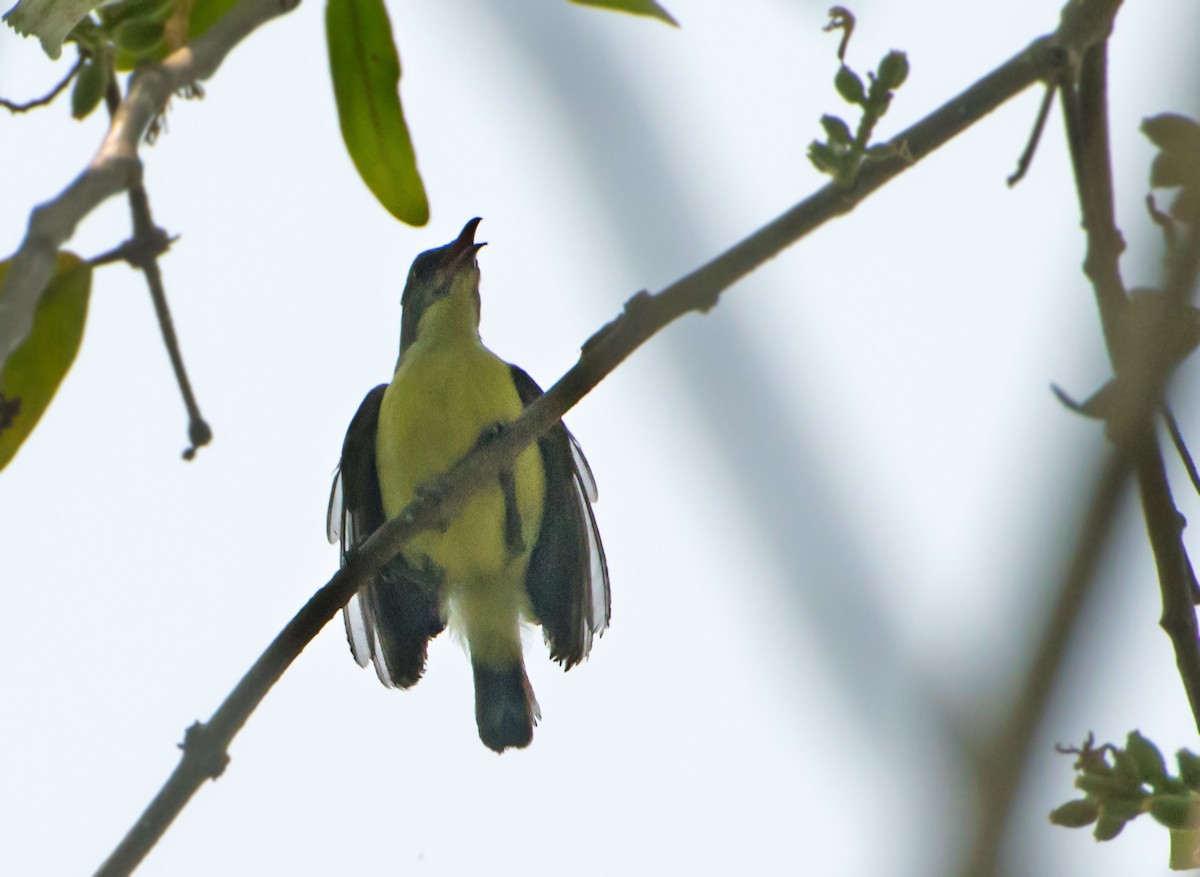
525	549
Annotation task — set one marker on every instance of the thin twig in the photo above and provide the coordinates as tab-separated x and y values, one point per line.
1035	136
199	432
142	252
1164	523
1181	448
45	99
643	315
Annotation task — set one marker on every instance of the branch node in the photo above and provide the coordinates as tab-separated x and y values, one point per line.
202	748
199	434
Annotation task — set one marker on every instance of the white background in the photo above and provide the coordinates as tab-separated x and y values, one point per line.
834	508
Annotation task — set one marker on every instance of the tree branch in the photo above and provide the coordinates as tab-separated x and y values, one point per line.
14	107
116	166
643	315
1142	365
1141	362
199	432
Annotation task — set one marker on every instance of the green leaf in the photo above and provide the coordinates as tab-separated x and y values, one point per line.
204	14
634	7
138	36
365	68
36	368
90	84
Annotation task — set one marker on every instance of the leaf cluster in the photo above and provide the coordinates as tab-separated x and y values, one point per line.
842	152
1120	785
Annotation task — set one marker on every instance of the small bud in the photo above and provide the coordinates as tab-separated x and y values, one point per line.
1125	808
1074	814
893	70
1125	770
837	131
1107	827
1105	786
849	86
822	157
1151	768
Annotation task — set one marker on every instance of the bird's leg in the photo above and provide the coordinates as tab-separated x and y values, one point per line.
513	540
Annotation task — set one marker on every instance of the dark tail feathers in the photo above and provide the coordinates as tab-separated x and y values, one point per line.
505	709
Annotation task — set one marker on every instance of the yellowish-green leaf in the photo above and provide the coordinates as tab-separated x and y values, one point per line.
635	7
36	368
48	20
365	68
204	13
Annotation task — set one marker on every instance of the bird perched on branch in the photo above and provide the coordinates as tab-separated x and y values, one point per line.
524	548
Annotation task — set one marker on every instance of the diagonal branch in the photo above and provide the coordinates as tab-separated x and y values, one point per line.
116	166
205	747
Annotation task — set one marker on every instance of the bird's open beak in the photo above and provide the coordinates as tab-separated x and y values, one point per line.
464	248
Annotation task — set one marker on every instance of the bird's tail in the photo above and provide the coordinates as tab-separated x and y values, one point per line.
505	708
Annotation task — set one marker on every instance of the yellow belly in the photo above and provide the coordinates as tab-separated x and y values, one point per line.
432	415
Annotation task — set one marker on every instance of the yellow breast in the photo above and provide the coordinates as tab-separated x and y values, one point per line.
440	400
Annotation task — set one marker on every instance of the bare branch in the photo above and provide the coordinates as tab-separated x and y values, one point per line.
13	107
1142	371
199	432
1142	368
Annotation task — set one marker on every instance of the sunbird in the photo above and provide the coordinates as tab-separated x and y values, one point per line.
525	549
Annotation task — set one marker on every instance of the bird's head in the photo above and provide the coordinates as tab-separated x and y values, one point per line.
442	288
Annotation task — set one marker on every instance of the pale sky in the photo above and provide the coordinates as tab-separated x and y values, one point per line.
828	505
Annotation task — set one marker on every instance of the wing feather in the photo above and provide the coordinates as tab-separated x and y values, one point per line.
567	577
390	621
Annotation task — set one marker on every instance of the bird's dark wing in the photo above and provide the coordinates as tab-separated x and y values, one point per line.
390	621
567	578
